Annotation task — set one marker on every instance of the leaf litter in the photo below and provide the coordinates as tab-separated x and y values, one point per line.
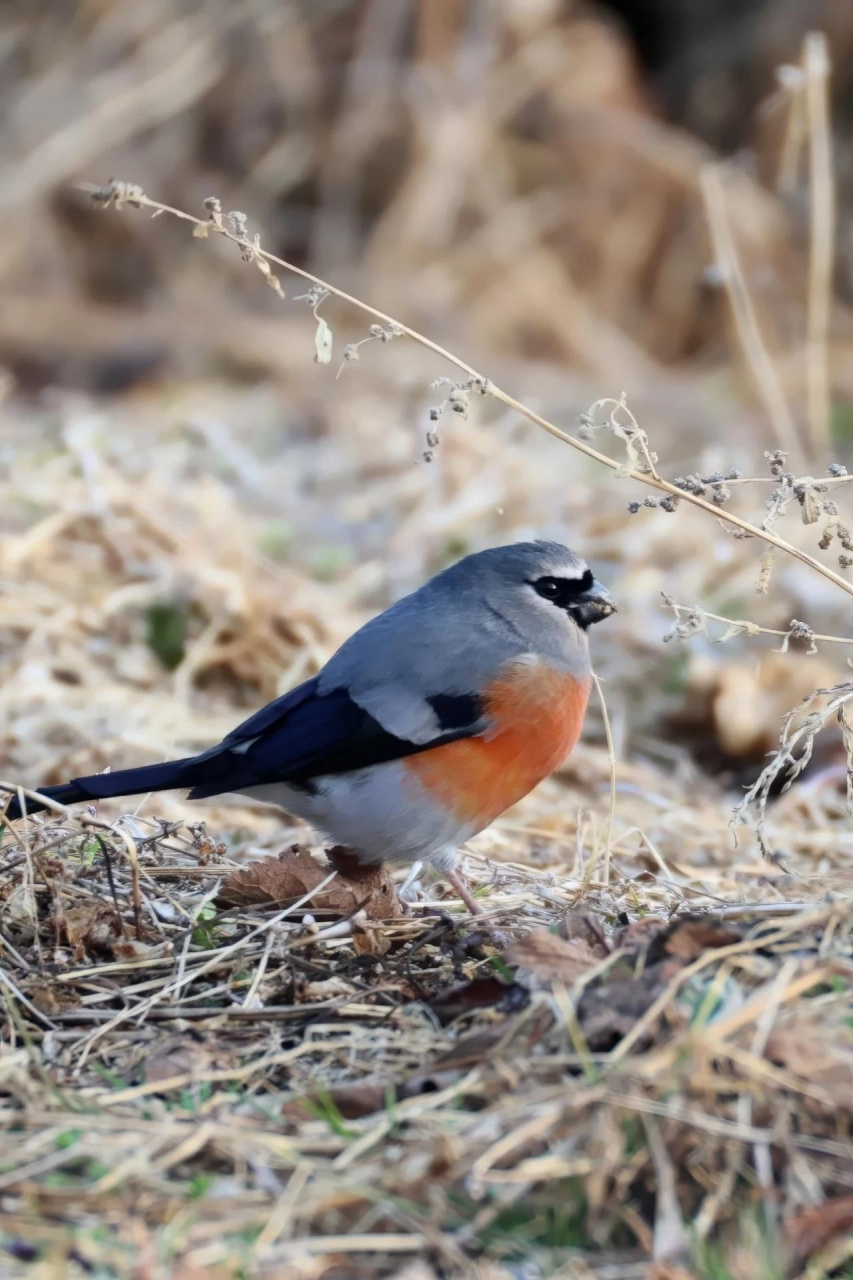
314	1031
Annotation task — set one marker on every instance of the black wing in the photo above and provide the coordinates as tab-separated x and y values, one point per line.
305	734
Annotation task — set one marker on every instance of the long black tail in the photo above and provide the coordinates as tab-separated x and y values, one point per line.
126	782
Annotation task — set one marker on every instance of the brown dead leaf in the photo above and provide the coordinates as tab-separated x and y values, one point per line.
690	938
370	940
51	997
543	958
639	934
279	881
811	1230
811	1052
91	926
481	993
176	1056
608	1010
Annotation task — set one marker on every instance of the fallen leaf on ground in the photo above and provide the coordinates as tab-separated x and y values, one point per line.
481	993
807	1051
689	938
282	880
608	1010
177	1056
369	940
51	997
812	1229
543	958
92	926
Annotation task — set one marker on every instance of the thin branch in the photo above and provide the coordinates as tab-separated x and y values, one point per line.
822	194
124	193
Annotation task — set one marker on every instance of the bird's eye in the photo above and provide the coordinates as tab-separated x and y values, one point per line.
563	592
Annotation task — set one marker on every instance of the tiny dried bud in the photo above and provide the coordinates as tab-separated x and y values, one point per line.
435	413
633	507
212	204
650	501
428	455
239	223
720	495
734	474
836	469
376	331
845	561
669	502
777	459
350	351
432	439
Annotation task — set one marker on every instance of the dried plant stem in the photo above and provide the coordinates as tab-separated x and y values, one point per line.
611	755
743	626
746	322
650	481
822	194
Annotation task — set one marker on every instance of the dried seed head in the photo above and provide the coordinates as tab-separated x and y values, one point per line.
777	459
239	223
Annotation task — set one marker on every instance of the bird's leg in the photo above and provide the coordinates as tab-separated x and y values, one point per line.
457	881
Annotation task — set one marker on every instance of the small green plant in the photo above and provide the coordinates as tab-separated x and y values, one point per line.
324	1107
204	933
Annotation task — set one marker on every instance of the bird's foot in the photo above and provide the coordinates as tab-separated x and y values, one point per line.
457	881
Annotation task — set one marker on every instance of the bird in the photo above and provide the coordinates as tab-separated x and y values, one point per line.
427	723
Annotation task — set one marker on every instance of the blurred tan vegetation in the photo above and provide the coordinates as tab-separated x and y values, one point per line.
193	514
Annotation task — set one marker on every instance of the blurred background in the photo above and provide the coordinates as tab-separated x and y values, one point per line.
194	512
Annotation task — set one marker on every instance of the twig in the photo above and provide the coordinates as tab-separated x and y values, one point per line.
822	194
611	756
746	322
126	193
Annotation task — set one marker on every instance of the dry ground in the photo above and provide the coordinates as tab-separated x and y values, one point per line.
644	1067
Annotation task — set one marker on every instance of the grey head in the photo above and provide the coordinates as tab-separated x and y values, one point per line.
542	591
454	632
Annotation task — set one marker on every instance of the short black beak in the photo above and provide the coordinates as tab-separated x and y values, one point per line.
594	605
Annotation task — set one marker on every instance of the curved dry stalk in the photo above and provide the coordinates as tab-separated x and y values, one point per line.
611	755
120	193
691	620
801	740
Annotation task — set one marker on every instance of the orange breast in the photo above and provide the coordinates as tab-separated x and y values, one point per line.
538	714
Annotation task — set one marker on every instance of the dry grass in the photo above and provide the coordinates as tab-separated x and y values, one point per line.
659	1083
